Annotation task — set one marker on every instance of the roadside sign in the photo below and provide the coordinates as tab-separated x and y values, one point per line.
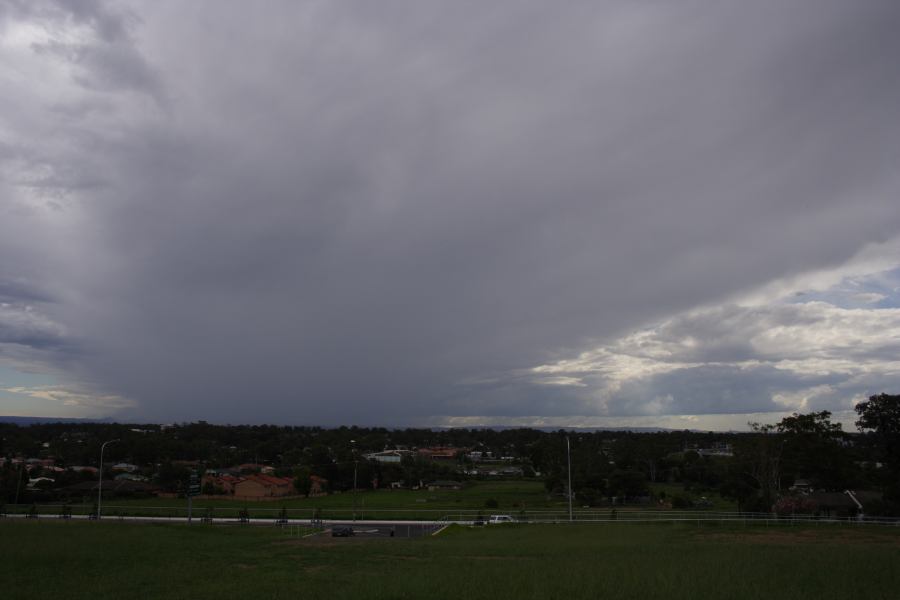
194	485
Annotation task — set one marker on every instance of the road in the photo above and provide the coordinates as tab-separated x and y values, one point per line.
370	528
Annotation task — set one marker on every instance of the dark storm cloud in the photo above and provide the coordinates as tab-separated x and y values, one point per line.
345	212
16	291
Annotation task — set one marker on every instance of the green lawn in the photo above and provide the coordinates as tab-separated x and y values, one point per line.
512	497
46	559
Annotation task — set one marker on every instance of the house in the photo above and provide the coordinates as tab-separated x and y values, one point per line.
219	472
250	468
843	504
387	456
716	449
224	482
125	467
801	486
263	486
440	452
833	504
83	469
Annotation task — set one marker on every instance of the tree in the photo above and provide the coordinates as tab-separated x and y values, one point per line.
303	481
812	450
881	415
739	487
211	489
764	458
627	483
810	424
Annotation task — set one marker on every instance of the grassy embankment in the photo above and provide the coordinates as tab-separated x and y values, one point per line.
46	559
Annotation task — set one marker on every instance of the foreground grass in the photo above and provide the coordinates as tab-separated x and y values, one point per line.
614	560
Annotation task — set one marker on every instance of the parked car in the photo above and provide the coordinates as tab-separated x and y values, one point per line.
497	519
342	532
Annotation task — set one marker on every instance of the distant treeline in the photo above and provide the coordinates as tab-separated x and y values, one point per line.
755	469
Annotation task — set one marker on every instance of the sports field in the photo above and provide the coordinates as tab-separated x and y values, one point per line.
46	559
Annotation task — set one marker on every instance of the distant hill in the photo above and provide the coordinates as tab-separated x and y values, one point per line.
574	429
38	420
25	421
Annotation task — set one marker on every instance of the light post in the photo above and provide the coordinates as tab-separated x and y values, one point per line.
355	464
18	482
569	463
100	484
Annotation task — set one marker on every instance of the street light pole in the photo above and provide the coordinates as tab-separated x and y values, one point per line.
19	482
100	484
355	464
569	463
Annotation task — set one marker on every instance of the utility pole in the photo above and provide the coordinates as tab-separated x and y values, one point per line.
100	483
569	463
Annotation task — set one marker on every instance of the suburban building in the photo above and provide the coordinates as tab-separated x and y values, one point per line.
83	469
224	482
440	452
263	486
388	456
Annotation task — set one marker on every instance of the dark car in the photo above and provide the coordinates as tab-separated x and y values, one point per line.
341	531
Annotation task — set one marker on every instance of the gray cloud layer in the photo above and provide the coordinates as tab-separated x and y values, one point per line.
347	212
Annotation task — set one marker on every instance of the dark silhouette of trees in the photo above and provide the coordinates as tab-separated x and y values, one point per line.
880	416
813	450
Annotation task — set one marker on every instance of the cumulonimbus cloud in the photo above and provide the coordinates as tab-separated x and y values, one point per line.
320	212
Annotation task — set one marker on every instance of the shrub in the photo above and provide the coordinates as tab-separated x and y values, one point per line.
680	502
795	505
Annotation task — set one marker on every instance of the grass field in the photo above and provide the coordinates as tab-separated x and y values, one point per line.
44	559
512	497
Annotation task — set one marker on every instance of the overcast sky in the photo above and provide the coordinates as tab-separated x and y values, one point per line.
634	212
